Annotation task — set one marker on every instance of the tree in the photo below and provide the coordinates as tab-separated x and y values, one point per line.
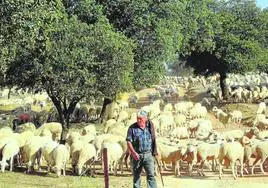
238	45
155	27
68	58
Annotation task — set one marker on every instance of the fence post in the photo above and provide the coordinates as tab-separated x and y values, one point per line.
105	165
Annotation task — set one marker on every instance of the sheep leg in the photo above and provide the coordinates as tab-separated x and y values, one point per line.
31	163
165	165
177	168
115	168
241	167
3	164
190	169
254	164
261	165
233	169
64	170
220	169
11	163
201	168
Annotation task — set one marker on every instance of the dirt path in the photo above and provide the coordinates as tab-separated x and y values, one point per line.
214	182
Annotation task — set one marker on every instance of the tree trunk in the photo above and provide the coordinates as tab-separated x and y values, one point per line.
223	85
9	93
106	101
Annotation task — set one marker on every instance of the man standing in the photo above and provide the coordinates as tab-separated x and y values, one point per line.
142	146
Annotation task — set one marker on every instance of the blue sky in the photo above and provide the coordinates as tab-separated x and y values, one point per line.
262	3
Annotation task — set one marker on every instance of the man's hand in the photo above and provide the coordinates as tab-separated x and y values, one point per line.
135	156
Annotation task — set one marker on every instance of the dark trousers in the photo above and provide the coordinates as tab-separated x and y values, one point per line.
147	162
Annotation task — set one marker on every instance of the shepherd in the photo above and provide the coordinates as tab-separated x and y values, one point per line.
141	144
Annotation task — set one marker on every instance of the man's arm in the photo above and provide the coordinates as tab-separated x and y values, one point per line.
134	154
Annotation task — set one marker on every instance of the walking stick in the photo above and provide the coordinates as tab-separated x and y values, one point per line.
158	165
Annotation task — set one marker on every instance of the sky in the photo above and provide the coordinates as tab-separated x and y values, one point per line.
262	3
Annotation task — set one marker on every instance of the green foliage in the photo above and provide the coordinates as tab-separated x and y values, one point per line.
69	58
155	27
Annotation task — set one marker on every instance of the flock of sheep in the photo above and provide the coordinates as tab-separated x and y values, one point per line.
186	134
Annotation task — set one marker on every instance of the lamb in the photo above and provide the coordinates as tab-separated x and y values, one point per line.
236	116
180	133
207	151
198	112
109	124
233	134
262	135
193	126
166	122
47	150
89	129
32	150
261	154
169	154
230	152
119	130
25	127
5	132
204	128
75	149
262	124
71	136
183	107
54	127
87	155
180	120
168	108
261	108
61	156
99	140
115	153
88	138
219	112
123	116
10	150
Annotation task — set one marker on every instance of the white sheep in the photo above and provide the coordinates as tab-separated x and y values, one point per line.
170	154
54	127
261	154
180	120
61	156
89	129
106	138
233	134
219	112
71	136
166	123
25	127
10	150
114	154
207	151
183	107
123	116
87	156
236	116
204	129
32	150
5	132
109	124
179	133
47	152
230	153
